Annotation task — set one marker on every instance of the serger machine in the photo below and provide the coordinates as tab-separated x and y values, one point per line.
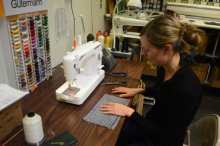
83	72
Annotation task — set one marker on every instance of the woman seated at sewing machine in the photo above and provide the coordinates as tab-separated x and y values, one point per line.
178	92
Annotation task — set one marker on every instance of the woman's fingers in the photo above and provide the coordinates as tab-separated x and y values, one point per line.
118	91
116	109
107	108
123	95
107	104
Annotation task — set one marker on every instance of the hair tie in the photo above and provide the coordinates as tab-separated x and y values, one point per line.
194	47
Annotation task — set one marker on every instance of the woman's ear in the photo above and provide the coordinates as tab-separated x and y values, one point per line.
168	49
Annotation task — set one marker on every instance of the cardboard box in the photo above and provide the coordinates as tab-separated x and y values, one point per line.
200	70
10	118
149	69
215	79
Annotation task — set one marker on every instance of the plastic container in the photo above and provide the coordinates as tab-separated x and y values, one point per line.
101	39
107	43
105	34
98	34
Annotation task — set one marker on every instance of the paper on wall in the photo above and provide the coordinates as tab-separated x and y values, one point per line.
61	23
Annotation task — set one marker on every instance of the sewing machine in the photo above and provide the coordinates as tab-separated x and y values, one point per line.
200	15
131	18
124	21
83	72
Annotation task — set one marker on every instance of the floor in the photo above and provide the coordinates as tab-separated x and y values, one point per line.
210	105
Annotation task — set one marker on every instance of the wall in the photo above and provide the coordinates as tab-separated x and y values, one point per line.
7	73
93	17
3	74
98	18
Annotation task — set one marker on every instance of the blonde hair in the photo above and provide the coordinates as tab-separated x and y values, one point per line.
165	29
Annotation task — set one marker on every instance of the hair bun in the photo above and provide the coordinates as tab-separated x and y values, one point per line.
184	28
192	36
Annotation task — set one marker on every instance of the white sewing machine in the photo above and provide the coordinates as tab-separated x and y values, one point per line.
123	22
131	18
83	72
200	15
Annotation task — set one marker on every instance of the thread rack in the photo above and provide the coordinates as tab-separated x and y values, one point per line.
30	45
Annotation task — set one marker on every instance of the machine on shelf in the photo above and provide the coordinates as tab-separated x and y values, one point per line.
124	21
83	72
194	10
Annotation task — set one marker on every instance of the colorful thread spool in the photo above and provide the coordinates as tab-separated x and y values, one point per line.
13	23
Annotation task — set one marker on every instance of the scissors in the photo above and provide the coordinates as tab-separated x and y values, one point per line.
121	82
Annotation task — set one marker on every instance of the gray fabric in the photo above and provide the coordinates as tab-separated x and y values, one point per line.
96	116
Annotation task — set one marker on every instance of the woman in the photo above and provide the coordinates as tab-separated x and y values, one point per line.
178	92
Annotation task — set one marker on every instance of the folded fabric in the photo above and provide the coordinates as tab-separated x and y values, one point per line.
96	116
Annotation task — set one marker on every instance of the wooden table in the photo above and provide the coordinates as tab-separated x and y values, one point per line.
61	116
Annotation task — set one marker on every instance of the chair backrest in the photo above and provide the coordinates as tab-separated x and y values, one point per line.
209	129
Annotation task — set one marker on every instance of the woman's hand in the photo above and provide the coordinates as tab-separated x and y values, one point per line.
116	109
127	92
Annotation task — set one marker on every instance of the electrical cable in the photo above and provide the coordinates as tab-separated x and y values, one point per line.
117	74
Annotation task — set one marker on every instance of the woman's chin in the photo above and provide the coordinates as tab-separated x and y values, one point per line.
154	64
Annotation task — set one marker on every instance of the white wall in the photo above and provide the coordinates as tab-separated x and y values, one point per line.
3	74
93	17
7	73
99	22
58	48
